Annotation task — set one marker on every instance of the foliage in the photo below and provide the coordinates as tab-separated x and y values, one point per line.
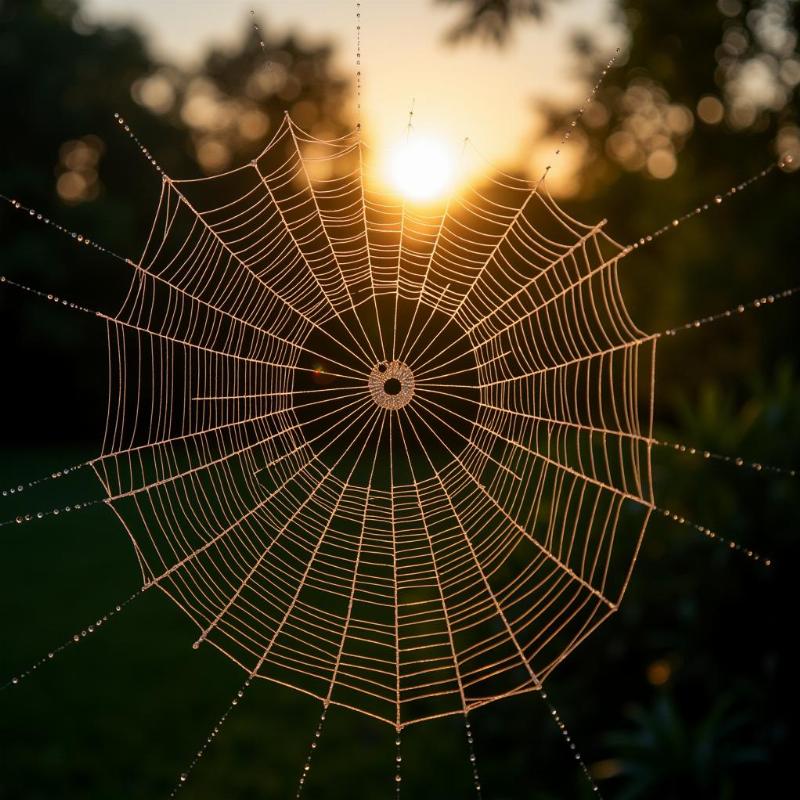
66	156
671	127
492	20
663	755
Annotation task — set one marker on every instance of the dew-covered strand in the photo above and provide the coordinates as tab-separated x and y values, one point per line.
752	305
714	536
52	298
576	119
184	776
314	743
78	238
781	163
21	519
570	743
473	760
398	761
262	44
358	64
76	638
61	473
145	152
736	461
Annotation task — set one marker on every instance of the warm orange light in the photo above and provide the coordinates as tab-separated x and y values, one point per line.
421	169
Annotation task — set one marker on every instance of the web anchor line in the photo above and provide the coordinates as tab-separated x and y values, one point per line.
145	152
781	163
737	461
642	241
76	638
473	759
82	505
109	319
213	733
398	762
105	317
358	65
260	37
569	740
627	345
312	748
53	476
714	536
53	298
21	519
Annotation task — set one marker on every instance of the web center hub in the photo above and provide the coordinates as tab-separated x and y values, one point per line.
391	384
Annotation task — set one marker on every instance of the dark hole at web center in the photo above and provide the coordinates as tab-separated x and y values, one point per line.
392	386
336	427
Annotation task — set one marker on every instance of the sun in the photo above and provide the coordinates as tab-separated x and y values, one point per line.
421	169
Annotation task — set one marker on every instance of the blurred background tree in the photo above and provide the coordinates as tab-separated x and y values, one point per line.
66	156
702	97
686	693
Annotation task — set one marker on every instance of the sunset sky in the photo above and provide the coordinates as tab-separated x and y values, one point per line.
469	90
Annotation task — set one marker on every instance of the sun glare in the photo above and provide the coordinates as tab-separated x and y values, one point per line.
421	169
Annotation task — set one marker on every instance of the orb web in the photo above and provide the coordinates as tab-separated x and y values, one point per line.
393	456
397	458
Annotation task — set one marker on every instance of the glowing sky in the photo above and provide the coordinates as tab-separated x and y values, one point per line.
469	90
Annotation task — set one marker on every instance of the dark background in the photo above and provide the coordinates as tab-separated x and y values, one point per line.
686	693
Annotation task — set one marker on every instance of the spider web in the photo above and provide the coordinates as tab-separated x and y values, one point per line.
394	457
